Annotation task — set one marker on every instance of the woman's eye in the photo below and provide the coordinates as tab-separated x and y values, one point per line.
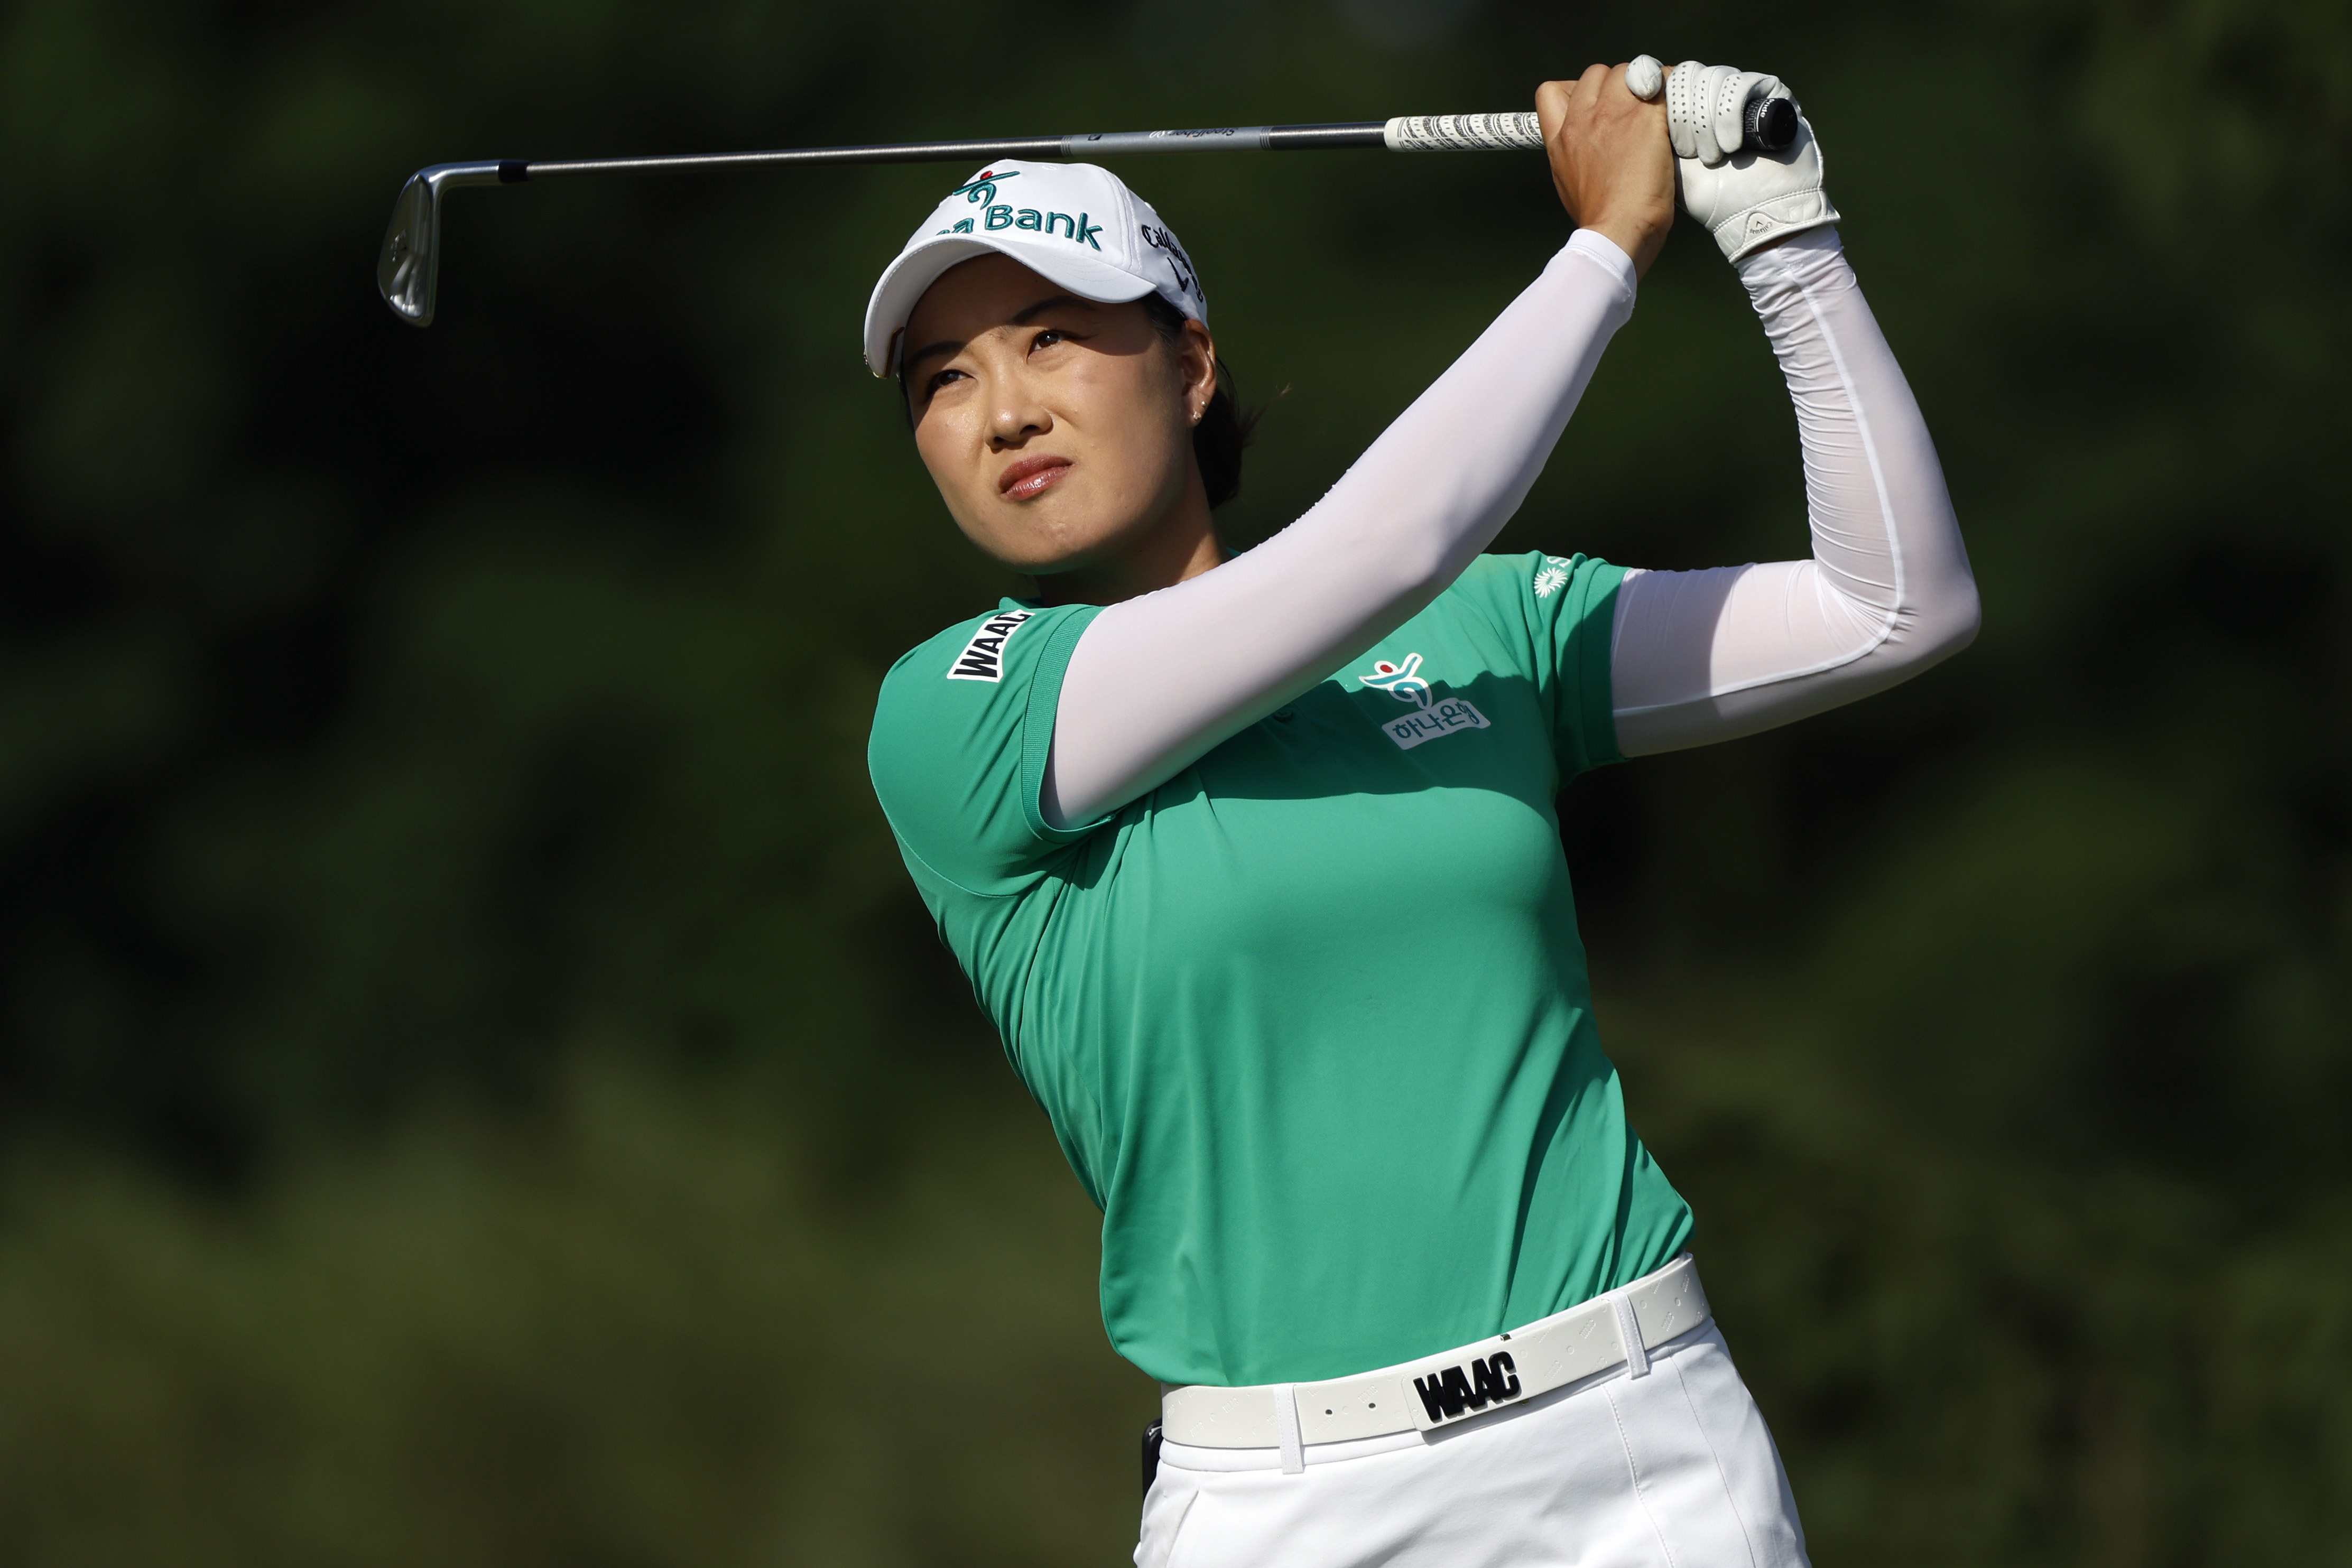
942	379
1048	338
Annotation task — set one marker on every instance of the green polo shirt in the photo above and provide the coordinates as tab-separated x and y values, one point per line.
1310	1019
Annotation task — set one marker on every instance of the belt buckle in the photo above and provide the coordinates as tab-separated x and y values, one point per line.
1472	1387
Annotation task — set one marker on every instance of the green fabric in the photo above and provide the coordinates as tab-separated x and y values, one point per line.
1310	1019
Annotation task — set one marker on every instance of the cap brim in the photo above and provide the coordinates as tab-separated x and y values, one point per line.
903	284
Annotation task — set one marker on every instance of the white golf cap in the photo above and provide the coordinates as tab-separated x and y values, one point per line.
1071	223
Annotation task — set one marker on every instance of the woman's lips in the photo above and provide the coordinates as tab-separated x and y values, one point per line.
1031	477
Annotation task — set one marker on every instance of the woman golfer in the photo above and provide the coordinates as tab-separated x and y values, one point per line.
1253	859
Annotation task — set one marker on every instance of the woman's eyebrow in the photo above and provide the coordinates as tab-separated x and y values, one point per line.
953	345
944	346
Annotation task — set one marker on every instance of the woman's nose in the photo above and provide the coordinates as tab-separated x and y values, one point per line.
1017	418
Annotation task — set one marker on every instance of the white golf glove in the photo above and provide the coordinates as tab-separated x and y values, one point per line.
1746	200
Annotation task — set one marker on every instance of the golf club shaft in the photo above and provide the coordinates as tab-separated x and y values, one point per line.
1237	139
407	271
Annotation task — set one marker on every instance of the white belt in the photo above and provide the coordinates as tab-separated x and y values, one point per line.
1618	1329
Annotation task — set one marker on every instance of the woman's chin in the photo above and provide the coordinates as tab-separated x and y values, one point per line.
1050	566
1050	553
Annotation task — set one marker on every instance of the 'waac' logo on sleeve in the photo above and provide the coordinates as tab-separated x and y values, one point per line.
982	658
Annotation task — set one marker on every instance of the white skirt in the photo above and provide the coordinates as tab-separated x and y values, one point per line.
1675	1469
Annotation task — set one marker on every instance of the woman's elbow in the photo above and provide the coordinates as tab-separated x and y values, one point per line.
1946	624
1963	613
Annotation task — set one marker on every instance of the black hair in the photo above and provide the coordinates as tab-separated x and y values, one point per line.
1224	430
1217	439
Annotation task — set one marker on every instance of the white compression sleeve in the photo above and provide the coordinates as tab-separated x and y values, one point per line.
1706	655
1158	680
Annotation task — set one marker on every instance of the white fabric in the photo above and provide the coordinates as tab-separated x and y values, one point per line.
1157	680
1073	224
1671	1470
1698	656
1629	1337
1290	1444
1702	656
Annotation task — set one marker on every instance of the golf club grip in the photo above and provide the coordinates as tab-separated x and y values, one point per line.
1769	125
1464	133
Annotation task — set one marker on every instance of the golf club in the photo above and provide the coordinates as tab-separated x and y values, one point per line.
406	272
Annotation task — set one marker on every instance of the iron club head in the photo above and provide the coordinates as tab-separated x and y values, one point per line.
406	272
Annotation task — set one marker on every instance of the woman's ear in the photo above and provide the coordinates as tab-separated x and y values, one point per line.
1196	363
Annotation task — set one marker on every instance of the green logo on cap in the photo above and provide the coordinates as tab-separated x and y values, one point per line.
984	188
1080	230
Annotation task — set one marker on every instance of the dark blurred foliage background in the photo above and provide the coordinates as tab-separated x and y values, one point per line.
479	1087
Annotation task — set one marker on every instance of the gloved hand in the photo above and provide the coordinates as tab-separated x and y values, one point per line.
1746	200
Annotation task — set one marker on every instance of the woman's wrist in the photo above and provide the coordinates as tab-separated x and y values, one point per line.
1608	255
1610	162
1639	241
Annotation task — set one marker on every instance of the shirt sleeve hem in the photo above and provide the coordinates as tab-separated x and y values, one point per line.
1037	728
1593	631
